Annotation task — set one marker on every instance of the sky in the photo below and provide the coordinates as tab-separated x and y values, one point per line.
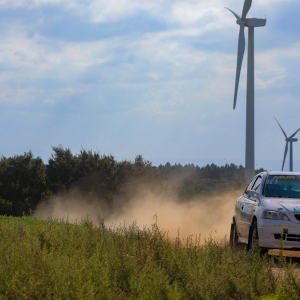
146	77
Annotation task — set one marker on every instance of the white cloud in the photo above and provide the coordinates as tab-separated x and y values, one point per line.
17	95
156	55
27	3
273	66
162	55
102	10
34	57
173	11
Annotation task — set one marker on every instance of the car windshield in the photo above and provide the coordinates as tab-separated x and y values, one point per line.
287	186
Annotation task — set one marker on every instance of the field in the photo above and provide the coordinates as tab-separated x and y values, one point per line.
59	260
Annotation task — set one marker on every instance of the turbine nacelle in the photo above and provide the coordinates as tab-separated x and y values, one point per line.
254	22
291	140
251	22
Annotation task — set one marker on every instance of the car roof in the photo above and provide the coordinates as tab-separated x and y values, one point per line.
283	173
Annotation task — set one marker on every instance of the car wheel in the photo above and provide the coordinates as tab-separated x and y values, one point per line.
253	239
233	236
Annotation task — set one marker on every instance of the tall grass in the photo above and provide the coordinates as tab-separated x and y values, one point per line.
58	260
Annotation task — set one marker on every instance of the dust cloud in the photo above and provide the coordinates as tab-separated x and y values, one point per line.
204	217
209	216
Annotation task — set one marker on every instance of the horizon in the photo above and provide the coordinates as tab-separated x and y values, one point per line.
269	165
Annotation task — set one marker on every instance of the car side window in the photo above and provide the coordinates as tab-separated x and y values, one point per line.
248	189
257	185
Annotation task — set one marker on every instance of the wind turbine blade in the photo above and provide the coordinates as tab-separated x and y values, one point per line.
238	17
246	8
294	134
285	153
240	55
281	128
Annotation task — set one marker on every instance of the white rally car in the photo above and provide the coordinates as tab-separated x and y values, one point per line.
268	212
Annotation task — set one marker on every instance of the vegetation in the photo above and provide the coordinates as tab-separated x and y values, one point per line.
26	180
58	260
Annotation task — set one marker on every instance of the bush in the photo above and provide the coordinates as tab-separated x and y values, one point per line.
58	260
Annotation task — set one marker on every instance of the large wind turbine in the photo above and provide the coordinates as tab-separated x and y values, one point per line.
243	22
288	140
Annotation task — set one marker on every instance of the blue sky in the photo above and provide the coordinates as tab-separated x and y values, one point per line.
156	78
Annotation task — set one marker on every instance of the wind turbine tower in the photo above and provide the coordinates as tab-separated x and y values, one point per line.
251	23
288	140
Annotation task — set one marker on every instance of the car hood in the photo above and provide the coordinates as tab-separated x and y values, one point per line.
292	205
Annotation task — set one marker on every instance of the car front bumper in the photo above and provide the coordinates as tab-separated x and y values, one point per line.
278	234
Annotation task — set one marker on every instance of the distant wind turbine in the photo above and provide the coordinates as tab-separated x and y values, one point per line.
288	140
243	22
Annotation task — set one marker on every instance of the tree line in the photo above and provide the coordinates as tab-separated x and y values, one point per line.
26	180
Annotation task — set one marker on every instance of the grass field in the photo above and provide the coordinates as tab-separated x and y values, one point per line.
59	260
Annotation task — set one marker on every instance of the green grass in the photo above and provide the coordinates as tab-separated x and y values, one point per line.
58	260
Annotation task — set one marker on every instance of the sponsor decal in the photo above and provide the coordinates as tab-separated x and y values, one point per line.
296	208
286	177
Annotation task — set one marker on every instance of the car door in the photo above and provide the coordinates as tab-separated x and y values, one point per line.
246	206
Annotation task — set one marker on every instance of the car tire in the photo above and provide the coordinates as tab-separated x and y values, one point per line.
233	239
253	239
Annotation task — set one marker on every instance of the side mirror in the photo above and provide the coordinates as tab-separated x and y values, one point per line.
253	195
247	192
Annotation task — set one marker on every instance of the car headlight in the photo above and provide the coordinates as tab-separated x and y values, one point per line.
274	215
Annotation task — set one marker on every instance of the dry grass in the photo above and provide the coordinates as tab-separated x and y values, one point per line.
59	260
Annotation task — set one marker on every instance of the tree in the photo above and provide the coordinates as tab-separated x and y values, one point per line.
23	183
61	169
